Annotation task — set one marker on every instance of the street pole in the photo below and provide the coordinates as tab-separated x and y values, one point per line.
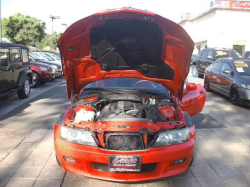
52	18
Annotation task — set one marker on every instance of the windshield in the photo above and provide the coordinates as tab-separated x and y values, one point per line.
227	53
47	57
36	56
242	67
129	84
56	57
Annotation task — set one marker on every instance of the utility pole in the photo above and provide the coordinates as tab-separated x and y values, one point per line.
52	18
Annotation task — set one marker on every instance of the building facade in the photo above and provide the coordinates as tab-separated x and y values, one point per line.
221	26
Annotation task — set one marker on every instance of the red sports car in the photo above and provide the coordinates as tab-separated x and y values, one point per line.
129	118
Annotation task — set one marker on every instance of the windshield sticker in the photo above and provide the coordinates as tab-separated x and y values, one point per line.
220	53
239	62
239	65
240	70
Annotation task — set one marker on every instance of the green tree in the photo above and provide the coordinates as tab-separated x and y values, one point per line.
22	29
49	42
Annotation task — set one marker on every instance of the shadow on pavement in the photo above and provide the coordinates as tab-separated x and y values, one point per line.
40	112
205	121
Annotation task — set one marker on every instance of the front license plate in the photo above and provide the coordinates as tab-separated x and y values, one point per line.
125	164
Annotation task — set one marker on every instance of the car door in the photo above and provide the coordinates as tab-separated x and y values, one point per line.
226	79
5	69
214	74
17	66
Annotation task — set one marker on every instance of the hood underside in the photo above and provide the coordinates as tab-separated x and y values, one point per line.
125	43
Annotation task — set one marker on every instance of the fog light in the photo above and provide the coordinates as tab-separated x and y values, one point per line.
179	161
69	159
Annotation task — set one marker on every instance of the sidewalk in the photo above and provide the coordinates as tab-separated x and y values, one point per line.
27	158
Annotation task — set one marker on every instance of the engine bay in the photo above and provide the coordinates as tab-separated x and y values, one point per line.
124	122
124	108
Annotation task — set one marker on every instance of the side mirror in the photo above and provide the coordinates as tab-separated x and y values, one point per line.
190	87
4	62
227	71
210	57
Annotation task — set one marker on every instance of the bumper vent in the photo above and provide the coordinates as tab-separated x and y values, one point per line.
144	167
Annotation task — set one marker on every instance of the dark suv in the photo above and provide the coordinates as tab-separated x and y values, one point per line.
207	56
15	73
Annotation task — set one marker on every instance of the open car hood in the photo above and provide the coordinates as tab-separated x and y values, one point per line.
125	43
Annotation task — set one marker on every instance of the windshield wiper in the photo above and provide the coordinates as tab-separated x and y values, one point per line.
101	89
144	91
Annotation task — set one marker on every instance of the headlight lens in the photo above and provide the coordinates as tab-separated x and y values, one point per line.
43	69
77	136
172	137
245	86
54	66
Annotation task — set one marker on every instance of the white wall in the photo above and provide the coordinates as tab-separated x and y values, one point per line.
221	28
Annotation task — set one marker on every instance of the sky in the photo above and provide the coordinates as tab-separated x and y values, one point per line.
71	11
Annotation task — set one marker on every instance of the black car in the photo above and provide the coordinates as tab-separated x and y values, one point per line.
15	73
208	55
230	77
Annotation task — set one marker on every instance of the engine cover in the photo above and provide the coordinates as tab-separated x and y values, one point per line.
122	109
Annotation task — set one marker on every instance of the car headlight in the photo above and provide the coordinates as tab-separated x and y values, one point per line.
245	86
77	136
44	69
54	66
172	137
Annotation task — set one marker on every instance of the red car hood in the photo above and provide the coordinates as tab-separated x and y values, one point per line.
125	43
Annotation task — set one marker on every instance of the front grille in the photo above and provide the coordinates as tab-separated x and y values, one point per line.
144	167
124	141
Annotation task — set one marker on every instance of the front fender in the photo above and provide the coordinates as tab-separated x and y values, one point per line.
22	75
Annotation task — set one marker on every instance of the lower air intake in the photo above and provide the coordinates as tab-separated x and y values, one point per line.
124	141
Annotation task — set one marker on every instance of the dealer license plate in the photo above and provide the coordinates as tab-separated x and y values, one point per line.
125	164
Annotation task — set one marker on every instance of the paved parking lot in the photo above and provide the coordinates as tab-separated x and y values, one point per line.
27	152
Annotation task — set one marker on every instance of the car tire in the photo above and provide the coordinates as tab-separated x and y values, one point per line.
207	84
35	80
234	96
25	90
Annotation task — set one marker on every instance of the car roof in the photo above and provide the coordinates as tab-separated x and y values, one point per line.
230	59
13	45
217	49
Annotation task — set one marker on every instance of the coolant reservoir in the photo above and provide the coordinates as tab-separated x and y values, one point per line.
84	113
167	111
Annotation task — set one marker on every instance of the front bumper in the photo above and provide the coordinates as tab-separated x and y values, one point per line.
244	96
93	161
46	76
58	73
